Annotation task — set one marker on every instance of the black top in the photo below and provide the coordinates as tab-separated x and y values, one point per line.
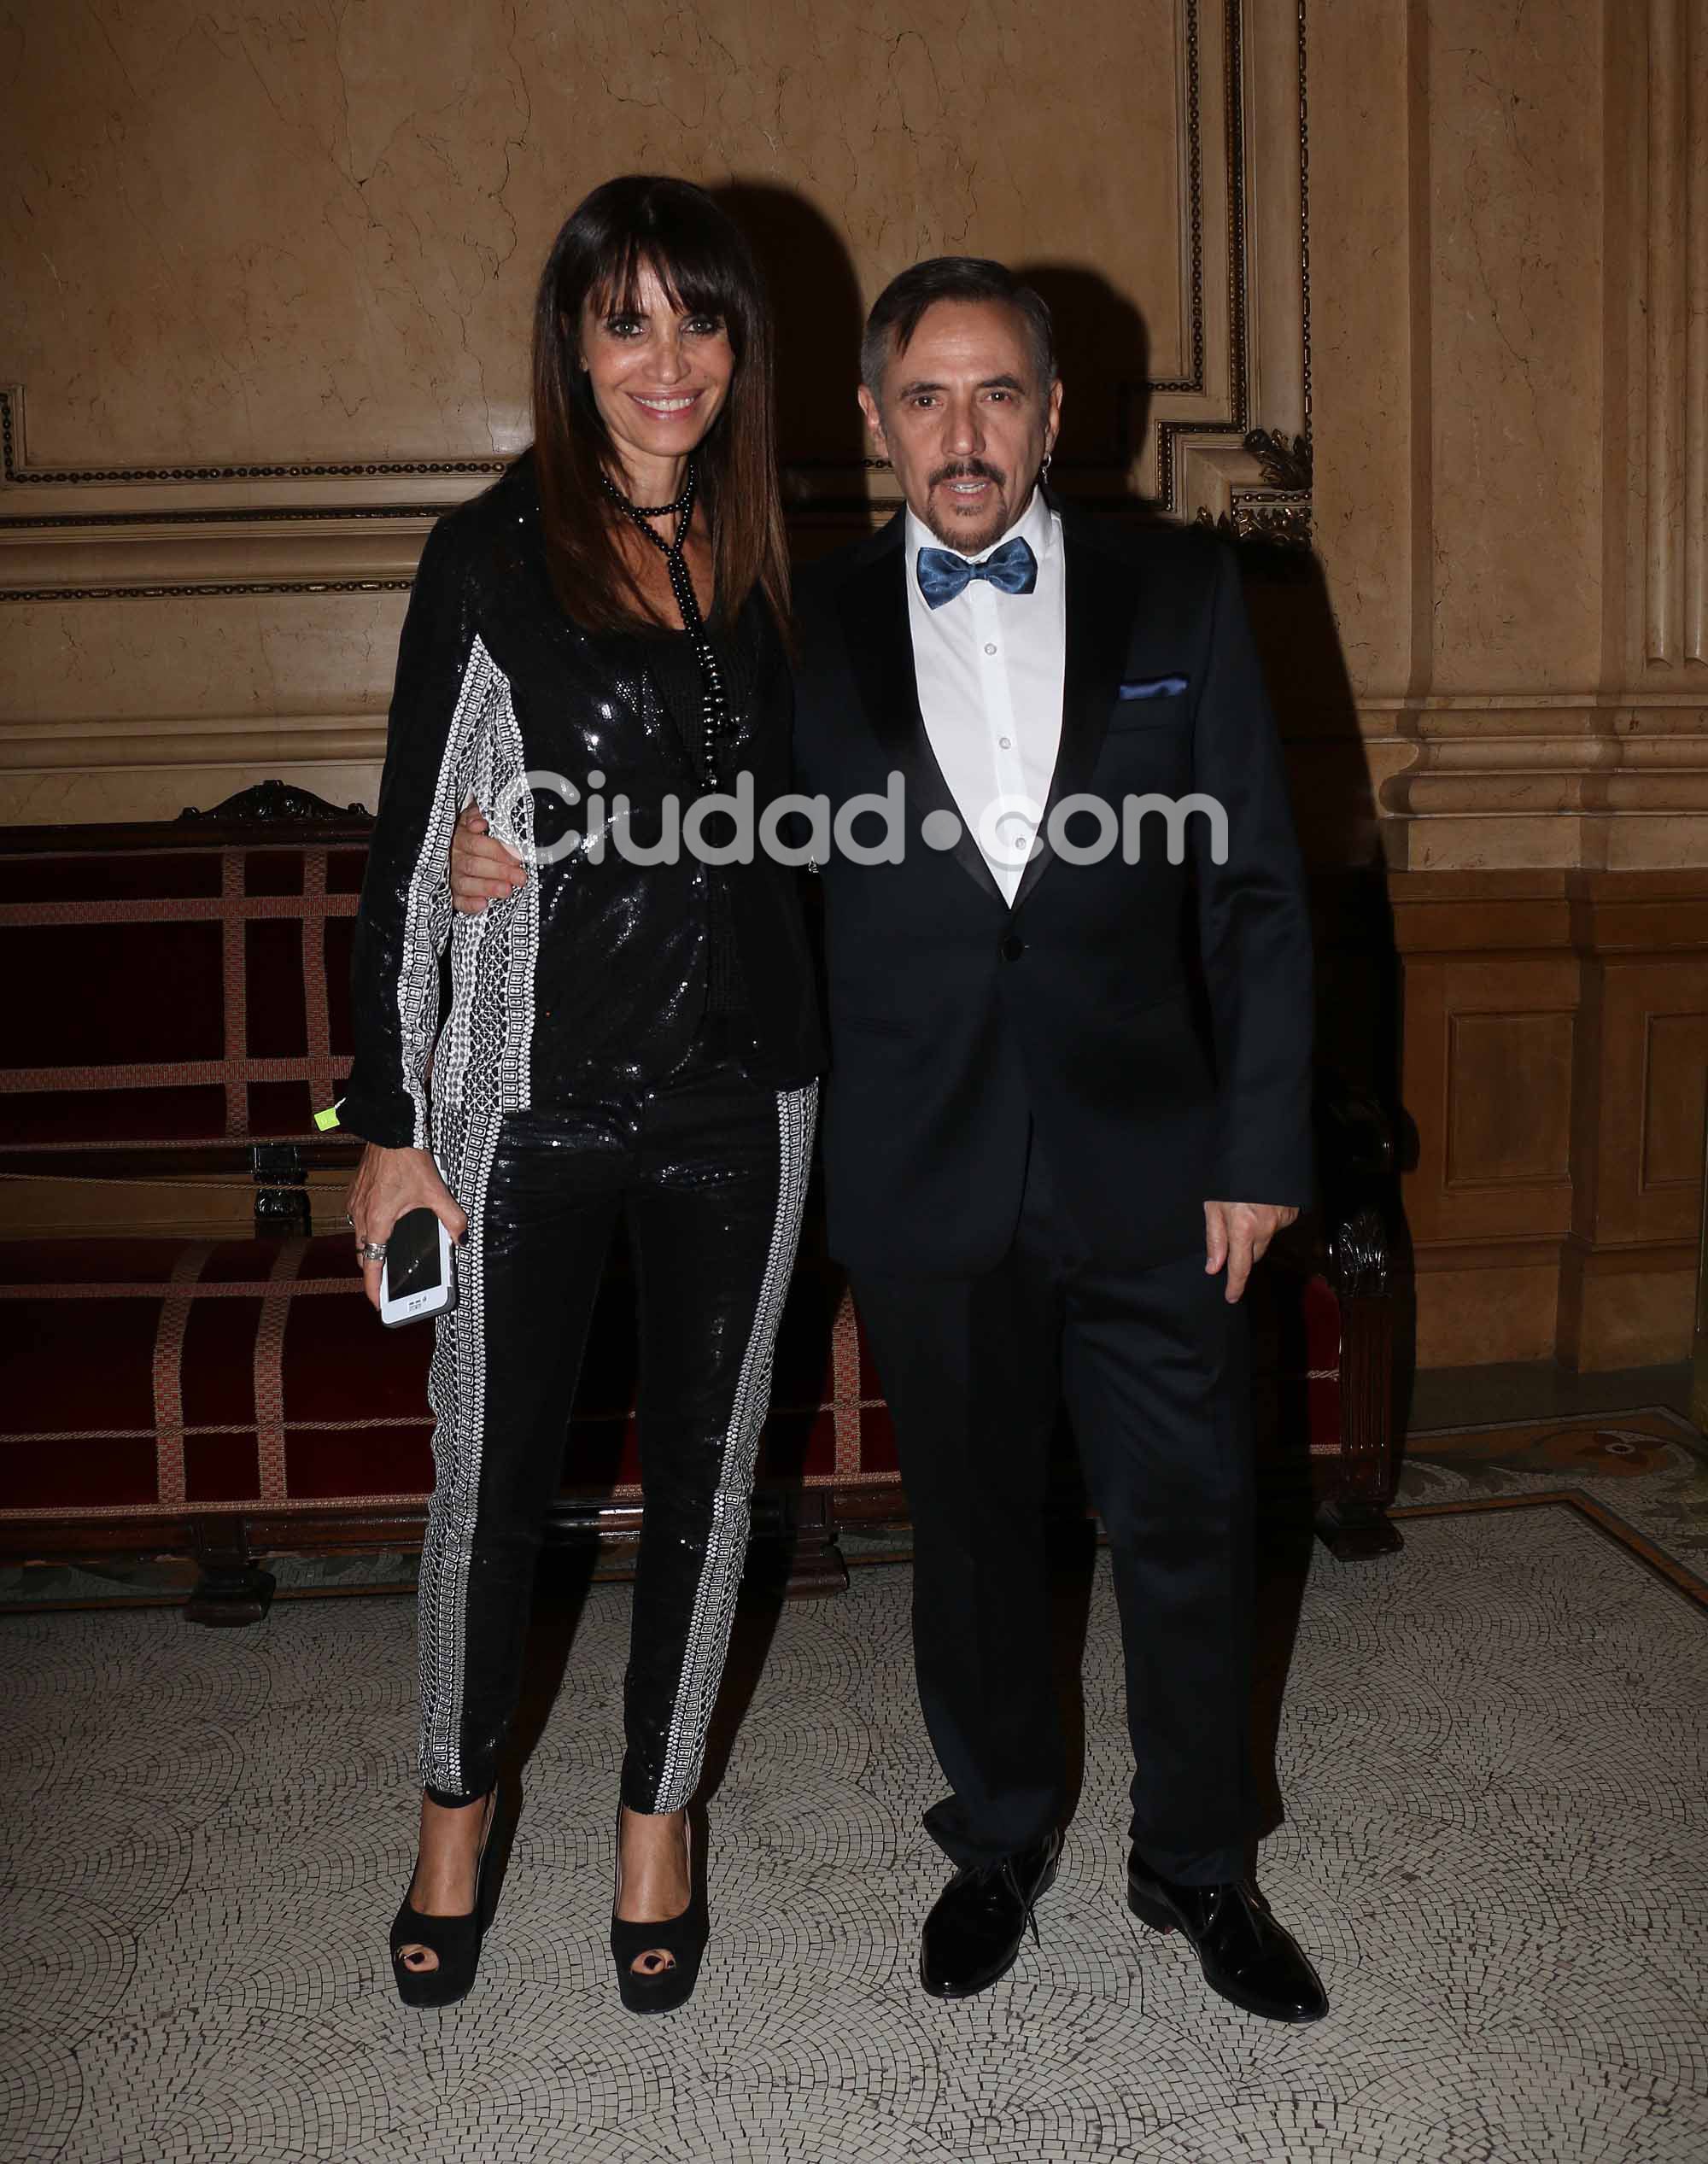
668	659
597	972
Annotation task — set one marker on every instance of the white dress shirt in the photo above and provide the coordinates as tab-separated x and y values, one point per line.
990	668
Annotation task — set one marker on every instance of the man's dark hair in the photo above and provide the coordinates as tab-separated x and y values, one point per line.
897	311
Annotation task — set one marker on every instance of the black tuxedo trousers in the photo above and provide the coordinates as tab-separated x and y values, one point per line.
1152	1366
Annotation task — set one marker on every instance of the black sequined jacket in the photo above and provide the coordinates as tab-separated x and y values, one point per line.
595	974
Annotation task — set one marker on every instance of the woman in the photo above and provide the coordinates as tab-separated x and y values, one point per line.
628	1040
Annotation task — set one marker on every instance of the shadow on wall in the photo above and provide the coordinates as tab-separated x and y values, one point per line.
1103	347
819	315
1360	1000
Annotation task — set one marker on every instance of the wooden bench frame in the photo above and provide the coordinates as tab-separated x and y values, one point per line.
799	1524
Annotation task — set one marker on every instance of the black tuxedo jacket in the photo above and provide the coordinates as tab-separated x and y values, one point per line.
1153	1018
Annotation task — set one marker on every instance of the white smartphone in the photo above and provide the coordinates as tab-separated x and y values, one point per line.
420	1274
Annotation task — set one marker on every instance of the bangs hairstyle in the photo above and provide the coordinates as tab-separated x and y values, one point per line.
701	258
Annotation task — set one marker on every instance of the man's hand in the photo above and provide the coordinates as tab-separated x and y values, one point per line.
389	1184
482	869
1236	1234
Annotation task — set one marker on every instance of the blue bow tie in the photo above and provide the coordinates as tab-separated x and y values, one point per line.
1013	568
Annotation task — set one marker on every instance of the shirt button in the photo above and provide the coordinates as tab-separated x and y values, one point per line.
1012	948
1007	743
990	649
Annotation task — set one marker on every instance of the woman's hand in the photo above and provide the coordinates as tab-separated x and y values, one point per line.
482	869
389	1184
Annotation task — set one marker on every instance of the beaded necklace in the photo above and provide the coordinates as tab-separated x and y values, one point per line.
714	704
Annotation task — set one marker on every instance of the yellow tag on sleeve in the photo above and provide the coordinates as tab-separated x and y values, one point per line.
328	1117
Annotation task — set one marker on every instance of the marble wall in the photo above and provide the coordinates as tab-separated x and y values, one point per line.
269	272
267	277
1511	488
242	233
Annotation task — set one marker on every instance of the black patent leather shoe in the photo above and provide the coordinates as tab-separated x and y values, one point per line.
1245	1955
975	1927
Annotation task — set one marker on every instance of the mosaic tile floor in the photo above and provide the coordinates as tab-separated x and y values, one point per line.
1497	1848
1646	1469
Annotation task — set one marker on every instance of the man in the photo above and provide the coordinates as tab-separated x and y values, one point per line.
1068	1105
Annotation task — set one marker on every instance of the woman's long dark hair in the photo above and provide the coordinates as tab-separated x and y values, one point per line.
702	261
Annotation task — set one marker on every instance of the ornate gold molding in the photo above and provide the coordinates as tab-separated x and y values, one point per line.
1208	466
1279	512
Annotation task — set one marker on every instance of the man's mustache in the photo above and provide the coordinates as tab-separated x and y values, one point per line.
969	469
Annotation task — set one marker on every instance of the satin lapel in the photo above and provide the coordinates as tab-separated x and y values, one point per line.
1100	601
874	608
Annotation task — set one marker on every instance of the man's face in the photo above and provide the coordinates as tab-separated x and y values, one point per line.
964	422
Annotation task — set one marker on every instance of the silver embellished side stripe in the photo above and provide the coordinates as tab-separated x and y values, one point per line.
427	915
480	1072
726	1547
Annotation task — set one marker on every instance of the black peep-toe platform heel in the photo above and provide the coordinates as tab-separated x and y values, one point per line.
455	1939
682	1936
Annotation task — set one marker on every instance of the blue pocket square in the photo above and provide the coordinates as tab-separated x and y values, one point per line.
1154	687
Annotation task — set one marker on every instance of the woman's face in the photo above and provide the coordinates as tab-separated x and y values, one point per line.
659	378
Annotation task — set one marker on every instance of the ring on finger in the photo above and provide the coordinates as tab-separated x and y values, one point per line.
372	1251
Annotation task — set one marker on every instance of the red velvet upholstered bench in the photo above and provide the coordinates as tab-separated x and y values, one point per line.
190	1367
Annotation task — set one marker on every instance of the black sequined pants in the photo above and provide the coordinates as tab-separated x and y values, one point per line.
707	1173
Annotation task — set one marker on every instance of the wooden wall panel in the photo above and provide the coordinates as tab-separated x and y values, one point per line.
1675	1083
1556	1063
1653	1031
1488	1081
1509	1099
